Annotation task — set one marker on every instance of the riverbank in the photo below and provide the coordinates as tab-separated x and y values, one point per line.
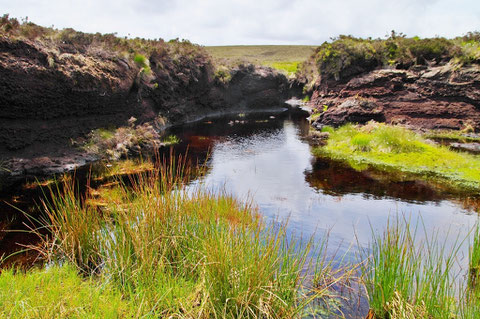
422	83
152	248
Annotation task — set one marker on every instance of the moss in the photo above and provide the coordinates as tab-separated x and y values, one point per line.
392	148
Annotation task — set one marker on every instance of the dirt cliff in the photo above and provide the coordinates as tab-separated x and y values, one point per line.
429	83
53	91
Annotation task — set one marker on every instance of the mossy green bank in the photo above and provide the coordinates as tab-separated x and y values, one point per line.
396	149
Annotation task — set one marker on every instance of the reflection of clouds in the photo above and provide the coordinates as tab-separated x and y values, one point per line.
270	168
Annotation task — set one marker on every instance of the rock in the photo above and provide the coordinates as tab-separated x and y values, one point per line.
469	147
429	97
353	110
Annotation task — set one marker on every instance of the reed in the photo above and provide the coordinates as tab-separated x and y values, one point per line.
408	275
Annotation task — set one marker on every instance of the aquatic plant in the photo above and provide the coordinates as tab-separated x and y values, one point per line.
474	258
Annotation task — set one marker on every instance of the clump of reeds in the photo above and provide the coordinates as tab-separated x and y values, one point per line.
172	252
407	275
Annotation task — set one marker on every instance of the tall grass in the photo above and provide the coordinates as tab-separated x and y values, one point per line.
173	253
407	275
474	258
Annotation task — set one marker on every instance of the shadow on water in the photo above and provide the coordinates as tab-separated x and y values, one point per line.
263	157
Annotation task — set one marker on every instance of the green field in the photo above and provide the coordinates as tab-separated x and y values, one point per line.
281	57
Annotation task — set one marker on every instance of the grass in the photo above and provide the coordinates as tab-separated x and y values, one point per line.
173	253
285	58
58	292
474	257
396	149
409	278
114	144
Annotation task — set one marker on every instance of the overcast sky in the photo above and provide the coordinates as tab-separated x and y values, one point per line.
224	22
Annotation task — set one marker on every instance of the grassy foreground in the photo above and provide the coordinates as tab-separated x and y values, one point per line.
149	248
285	58
397	149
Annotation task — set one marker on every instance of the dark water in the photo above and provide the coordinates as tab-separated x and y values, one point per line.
265	159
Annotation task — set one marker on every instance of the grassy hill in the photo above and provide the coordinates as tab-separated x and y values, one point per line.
282	57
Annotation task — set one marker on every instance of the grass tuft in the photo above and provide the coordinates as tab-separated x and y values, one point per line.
408	275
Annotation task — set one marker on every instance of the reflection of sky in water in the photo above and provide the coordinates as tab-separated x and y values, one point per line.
270	168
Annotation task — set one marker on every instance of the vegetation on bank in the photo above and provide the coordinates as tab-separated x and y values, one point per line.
88	42
154	249
463	136
113	144
396	149
347	56
90	52
285	58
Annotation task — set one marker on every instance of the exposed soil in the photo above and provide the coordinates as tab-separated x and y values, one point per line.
439	97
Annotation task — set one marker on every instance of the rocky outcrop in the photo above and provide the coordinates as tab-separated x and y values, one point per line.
52	93
440	97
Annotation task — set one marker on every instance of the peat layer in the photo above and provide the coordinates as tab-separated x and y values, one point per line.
52	92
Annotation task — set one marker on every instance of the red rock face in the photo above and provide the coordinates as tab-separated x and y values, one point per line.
442	97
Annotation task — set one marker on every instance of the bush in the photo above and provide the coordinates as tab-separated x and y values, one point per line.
346	56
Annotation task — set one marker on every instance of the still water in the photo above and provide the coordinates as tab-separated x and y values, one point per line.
266	159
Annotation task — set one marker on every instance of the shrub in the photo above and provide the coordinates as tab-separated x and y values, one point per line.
142	62
346	56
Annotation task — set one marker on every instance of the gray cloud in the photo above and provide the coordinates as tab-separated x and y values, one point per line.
215	22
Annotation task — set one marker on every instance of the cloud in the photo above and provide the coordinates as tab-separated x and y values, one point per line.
215	22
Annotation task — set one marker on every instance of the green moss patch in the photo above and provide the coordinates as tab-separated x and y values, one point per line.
393	148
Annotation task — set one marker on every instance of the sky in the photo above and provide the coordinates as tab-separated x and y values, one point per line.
224	22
